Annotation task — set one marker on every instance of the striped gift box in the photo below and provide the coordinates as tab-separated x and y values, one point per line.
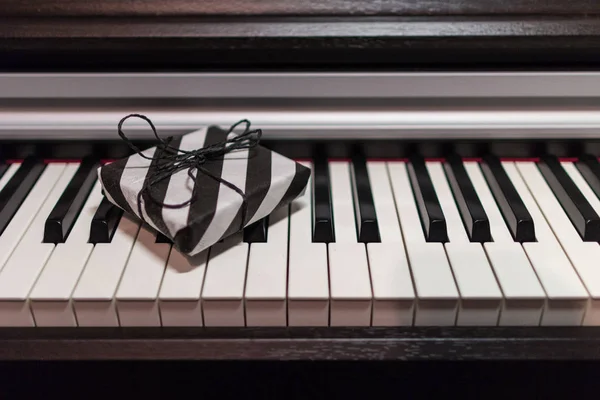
267	179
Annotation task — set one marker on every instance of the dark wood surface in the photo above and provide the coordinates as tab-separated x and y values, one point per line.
298	7
280	344
481	35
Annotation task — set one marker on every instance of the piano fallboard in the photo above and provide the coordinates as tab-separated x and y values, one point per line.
359	34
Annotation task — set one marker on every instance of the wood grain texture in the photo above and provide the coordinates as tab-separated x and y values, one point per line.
297	8
301	344
316	32
277	43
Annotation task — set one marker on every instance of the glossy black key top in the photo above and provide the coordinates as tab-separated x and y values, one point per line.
589	168
430	210
62	218
470	208
580	212
104	223
3	168
364	206
17	188
322	208
257	231
516	215
160	238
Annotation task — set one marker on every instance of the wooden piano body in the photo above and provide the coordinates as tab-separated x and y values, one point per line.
389	79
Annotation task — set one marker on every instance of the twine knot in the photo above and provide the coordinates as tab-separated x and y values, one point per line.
168	160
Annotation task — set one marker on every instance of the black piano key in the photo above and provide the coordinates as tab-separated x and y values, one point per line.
161	238
516	215
364	206
17	189
430	210
3	168
322	209
470	208
589	168
104	223
64	214
580	212
257	231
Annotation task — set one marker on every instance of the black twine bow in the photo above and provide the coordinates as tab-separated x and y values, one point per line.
168	160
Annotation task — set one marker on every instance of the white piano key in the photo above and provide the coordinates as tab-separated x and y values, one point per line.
436	290
566	295
15	229
9	174
524	299
29	258
137	295
94	296
28	210
301	214
582	258
583	255
179	296
308	274
393	292
350	285
480	296
350	281
383	198
51	295
308	287
223	292
51	305
266	283
523	294
344	221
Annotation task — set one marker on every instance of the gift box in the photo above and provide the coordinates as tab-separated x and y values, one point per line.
204	186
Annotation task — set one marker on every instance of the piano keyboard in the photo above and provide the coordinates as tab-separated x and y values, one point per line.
419	242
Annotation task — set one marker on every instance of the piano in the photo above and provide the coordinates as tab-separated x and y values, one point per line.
453	212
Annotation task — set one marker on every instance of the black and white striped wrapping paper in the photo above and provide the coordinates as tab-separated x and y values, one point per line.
268	179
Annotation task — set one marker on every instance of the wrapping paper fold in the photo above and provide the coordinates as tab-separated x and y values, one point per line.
268	179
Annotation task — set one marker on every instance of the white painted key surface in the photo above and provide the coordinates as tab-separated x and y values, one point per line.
308	274
523	294
437	294
223	293
585	259
266	284
393	292
137	295
385	207
4	243
480	295
9	174
566	295
350	285
181	287
583	255
300	229
350	282
94	297
51	296
341	199
28	259
28	210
